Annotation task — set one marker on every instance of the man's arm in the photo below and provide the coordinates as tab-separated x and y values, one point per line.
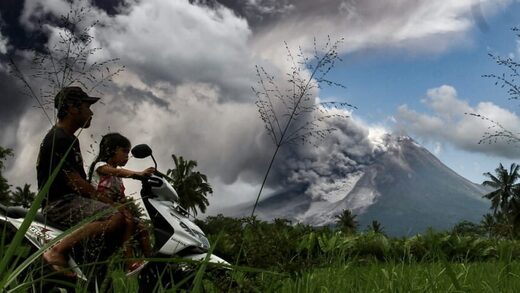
84	188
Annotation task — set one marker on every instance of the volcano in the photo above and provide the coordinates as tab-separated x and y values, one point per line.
405	188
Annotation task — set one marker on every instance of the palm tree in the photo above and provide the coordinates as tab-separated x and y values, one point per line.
346	221
23	196
505	186
489	224
191	186
4	186
514	212
376	227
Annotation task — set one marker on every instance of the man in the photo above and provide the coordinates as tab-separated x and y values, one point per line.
71	198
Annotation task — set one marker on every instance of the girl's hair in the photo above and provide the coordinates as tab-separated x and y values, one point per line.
107	149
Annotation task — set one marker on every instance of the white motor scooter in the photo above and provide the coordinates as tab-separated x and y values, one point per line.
175	235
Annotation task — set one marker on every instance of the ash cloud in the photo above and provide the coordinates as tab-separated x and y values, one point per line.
189	71
410	25
13	101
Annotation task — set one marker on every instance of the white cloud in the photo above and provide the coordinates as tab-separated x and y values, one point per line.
3	45
175	42
438	149
448	123
3	41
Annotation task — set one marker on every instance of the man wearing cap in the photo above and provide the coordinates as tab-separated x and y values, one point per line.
71	198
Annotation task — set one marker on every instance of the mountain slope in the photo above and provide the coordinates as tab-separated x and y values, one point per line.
406	188
422	192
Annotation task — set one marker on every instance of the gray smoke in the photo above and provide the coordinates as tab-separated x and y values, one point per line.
189	70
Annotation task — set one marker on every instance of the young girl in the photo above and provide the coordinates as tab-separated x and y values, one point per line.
106	175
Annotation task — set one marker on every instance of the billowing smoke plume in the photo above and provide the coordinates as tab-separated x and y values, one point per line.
186	88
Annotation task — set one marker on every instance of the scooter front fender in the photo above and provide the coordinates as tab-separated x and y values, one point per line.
202	256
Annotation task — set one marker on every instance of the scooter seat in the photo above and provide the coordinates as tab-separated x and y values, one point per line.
18	212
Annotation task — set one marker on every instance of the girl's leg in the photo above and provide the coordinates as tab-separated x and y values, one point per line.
144	239
128	233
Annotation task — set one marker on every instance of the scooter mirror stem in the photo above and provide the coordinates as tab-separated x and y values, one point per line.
154	161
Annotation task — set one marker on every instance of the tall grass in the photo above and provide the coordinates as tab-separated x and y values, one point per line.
17	240
406	277
324	260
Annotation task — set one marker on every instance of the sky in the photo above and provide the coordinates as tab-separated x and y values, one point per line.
410	67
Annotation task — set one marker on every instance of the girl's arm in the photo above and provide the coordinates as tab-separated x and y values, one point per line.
123	173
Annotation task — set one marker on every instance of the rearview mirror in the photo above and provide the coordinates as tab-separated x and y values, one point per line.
141	151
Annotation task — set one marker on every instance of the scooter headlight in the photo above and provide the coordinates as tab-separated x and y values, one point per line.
204	241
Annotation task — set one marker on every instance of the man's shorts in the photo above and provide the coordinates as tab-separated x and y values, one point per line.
72	209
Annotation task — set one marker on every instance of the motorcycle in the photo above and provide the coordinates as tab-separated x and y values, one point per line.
176	236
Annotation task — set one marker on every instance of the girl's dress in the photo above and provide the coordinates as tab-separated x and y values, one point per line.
108	184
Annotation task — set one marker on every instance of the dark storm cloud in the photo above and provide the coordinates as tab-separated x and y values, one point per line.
418	26
111	7
134	95
257	13
17	34
261	13
264	12
21	37
12	100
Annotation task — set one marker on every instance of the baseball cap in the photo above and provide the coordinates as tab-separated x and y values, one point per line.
70	93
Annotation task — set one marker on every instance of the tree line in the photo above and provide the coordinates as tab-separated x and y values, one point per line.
20	196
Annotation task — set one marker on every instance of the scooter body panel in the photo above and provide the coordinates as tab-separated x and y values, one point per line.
37	233
186	233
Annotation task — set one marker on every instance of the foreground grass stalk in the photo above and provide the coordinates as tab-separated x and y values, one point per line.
28	220
197	286
12	276
281	140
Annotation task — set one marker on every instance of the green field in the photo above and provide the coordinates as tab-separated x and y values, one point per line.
406	277
355	277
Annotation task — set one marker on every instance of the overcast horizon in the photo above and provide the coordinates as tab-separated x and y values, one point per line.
410	67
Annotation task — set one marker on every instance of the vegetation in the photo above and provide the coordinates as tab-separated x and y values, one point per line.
21	196
505	201
4	187
504	184
287	248
281	257
376	227
404	277
305	259
191	186
346	222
